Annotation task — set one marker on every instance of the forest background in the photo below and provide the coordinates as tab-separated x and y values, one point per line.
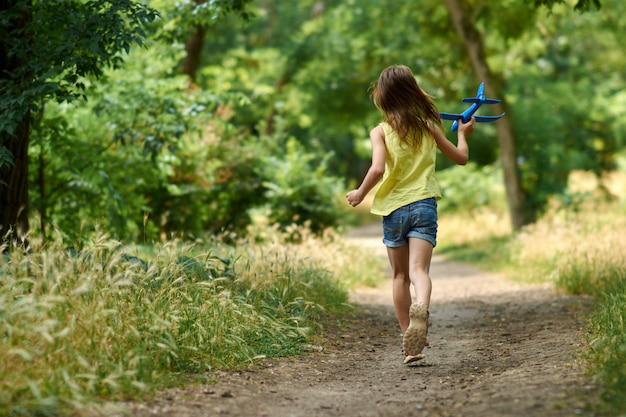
177	172
239	110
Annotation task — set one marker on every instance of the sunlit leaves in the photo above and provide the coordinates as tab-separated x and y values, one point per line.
52	45
179	16
581	5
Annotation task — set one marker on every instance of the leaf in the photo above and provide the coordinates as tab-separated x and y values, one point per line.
6	157
23	353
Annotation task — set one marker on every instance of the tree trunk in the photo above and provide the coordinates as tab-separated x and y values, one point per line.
473	42
14	189
194	53
193	47
14	178
41	182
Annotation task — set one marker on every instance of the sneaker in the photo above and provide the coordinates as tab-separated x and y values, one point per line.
415	336
413	358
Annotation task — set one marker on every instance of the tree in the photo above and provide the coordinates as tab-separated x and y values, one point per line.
192	19
47	48
506	136
522	209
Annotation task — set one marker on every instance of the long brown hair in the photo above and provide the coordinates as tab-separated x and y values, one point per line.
406	107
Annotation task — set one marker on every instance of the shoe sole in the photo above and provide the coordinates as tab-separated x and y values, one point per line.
413	358
415	336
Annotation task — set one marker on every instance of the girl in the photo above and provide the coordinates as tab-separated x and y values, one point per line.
404	149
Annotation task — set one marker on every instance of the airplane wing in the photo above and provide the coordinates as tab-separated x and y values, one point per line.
481	101
450	116
487	118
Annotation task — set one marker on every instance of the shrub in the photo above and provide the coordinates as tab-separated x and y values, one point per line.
470	187
300	189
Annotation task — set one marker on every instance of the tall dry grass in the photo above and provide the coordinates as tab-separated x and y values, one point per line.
111	321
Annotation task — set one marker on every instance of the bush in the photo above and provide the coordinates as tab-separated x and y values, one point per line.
148	158
300	190
470	187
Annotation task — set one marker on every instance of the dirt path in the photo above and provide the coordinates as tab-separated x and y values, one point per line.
496	349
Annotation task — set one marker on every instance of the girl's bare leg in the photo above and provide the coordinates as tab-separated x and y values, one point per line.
415	336
399	260
420	255
410	264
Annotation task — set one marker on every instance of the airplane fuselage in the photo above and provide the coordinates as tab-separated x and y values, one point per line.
466	116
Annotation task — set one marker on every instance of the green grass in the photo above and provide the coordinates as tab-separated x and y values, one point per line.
490	253
607	344
111	322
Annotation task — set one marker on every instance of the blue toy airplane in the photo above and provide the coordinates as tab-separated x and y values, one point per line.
467	114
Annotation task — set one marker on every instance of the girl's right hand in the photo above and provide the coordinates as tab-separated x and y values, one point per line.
467	128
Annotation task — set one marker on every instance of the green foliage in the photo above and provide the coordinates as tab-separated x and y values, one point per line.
83	179
303	73
607	341
605	279
178	17
558	131
204	174
44	65
215	182
470	187
206	184
79	327
312	66
6	159
581	5
300	190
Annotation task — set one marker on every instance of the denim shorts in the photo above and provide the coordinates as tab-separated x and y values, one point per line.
418	220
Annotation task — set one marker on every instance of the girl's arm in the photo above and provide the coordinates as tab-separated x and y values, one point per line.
376	170
459	154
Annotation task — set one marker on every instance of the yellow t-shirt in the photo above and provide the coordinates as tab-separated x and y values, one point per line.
409	173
